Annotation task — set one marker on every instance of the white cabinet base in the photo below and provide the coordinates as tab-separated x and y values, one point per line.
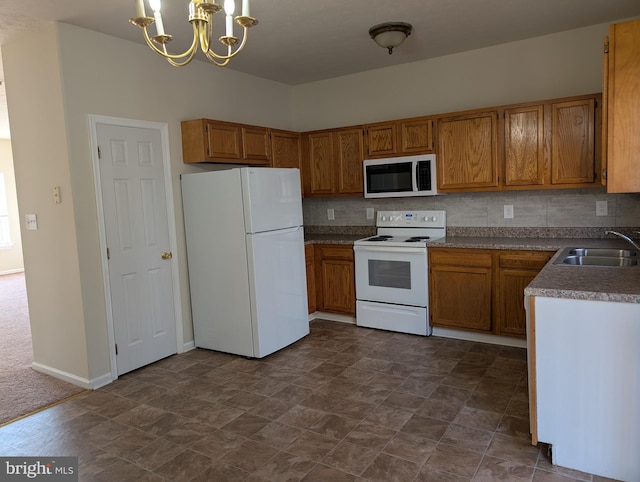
587	384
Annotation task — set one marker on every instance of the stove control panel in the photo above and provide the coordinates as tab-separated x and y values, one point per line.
415	219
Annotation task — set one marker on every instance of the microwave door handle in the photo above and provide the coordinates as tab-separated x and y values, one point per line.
416	177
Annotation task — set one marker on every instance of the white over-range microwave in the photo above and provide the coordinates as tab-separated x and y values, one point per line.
400	176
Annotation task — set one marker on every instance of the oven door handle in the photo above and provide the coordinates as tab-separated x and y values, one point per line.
389	249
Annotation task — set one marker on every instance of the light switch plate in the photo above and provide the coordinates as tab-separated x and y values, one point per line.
370	213
31	221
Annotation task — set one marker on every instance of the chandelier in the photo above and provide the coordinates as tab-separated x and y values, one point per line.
201	14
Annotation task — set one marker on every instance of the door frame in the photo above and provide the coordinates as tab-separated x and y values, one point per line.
94	120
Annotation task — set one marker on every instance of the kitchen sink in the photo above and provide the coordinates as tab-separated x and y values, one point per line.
610	257
602	252
599	261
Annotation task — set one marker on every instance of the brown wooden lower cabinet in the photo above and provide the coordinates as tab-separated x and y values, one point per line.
460	288
335	279
481	290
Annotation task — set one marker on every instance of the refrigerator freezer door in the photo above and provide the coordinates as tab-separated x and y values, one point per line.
279	294
272	198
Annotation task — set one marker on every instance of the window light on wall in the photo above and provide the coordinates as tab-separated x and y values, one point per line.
5	235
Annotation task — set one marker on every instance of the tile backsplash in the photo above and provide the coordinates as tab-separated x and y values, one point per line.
539	209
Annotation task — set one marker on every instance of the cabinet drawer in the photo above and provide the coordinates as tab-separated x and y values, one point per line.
460	257
340	252
525	260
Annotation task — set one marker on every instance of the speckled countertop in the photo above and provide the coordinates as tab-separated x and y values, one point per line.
554	281
565	281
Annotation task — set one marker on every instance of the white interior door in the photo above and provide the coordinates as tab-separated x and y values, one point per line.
137	236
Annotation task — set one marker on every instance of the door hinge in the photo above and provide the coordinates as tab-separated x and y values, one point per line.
116	348
604	174
108	254
99	153
606	47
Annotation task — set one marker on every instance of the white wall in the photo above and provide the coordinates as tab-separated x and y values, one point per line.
56	77
34	95
10	258
557	65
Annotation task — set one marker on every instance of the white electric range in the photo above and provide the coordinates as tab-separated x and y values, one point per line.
392	289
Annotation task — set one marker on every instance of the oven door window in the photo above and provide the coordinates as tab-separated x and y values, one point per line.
390	274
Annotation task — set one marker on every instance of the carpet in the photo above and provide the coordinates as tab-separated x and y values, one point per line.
22	389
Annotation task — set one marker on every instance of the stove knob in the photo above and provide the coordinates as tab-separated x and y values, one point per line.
434	218
384	218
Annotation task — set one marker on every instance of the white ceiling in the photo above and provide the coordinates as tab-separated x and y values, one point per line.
300	41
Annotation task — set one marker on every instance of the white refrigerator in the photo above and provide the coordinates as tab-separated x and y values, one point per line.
245	249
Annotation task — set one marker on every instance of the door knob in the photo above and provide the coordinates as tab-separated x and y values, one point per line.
166	255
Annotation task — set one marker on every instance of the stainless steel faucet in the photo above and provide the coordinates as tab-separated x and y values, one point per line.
625	237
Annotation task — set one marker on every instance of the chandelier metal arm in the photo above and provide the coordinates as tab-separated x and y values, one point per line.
174	59
211	55
201	14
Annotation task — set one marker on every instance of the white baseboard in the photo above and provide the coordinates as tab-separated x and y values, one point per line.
479	337
332	317
12	271
188	346
92	384
101	381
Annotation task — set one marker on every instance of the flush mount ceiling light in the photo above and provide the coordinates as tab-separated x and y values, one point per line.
391	34
201	14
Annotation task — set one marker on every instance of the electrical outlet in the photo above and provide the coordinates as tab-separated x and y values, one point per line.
508	211
601	208
370	213
331	214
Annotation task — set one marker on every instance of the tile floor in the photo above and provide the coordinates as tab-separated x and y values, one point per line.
343	404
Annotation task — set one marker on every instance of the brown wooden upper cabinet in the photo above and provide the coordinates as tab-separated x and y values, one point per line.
552	144
621	116
332	162
524	156
205	140
285	148
539	145
467	152
399	138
